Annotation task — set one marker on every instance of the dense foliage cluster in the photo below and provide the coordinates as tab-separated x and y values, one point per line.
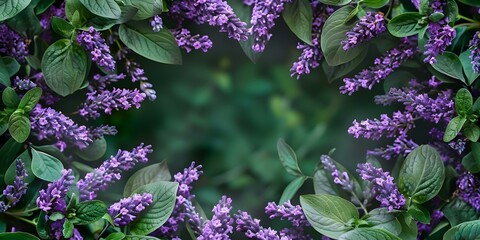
429	64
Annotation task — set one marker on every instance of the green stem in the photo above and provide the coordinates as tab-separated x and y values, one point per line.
467	18
23	219
359	202
469	25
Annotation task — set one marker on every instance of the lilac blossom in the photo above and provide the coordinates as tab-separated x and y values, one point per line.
424	228
12	44
156	23
383	186
103	130
111	171
252	229
340	178
311	54
137	74
126	210
221	224
396	125
15	191
52	199
402	145
105	101
293	214
440	33
416	3
100	82
188	42
369	26
475	55
23	84
99	50
48	123
384	66
264	14
469	189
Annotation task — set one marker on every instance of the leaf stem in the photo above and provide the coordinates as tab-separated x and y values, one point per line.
359	202
467	18
21	218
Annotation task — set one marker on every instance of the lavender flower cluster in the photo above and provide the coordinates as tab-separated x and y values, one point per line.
99	50
126	210
14	192
441	34
369	26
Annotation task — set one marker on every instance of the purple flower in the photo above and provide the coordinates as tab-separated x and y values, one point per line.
48	96
221	224
12	44
106	101
311	54
100	82
440	33
252	229
248	2
340	178
264	14
374	129
156	23
287	211
383	186
126	210
47	123
99	50
138	74
475	55
110	171
384	66
52	199
425	229
103	130
369	26
52	11
214	12
401	146
416	3
188	42
469	189
23	84
14	192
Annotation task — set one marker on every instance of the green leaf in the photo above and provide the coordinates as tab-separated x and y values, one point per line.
422	174
463	102
449	64
93	151
333	34
409	227
155	215
467	230
323	183
291	189
89	212
375	3
45	166
115	236
467	67
473	3
436	16
381	218
72	6
288	158
298	16
336	2
4	74
472	132
26	23
64	67
406	24
476	106
102	24
10	98
19	126
157	46
453	128
10	174
137	237
451	10
146	8
9	152
420	213
62	27
150	174
11	65
17	236
368	234
10	8
30	99
458	211
103	8
67	229
329	215
56	216
42	225
335	72
471	161
449	184
43	5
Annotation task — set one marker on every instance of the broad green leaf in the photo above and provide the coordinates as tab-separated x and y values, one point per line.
422	174
115	236
10	8
30	99
102	24
298	16
12	65
43	5
458	211
42	225
438	231
467	67
10	174
19	126
4	75
157	46
288	158
436	16
368	234
291	189
420	213
62	27
409	227
451	10
453	128
471	161
45	166
10	98
64	67
17	236
89	212
72	6
323	183
146	8
333	33
67	229
9	152
449	64
103	8
375	3
449	184
472	132
329	215
150	174
467	230
335	72
463	102
155	215
93	151
55	216
473	3
26	23
406	24
336	2
381	218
